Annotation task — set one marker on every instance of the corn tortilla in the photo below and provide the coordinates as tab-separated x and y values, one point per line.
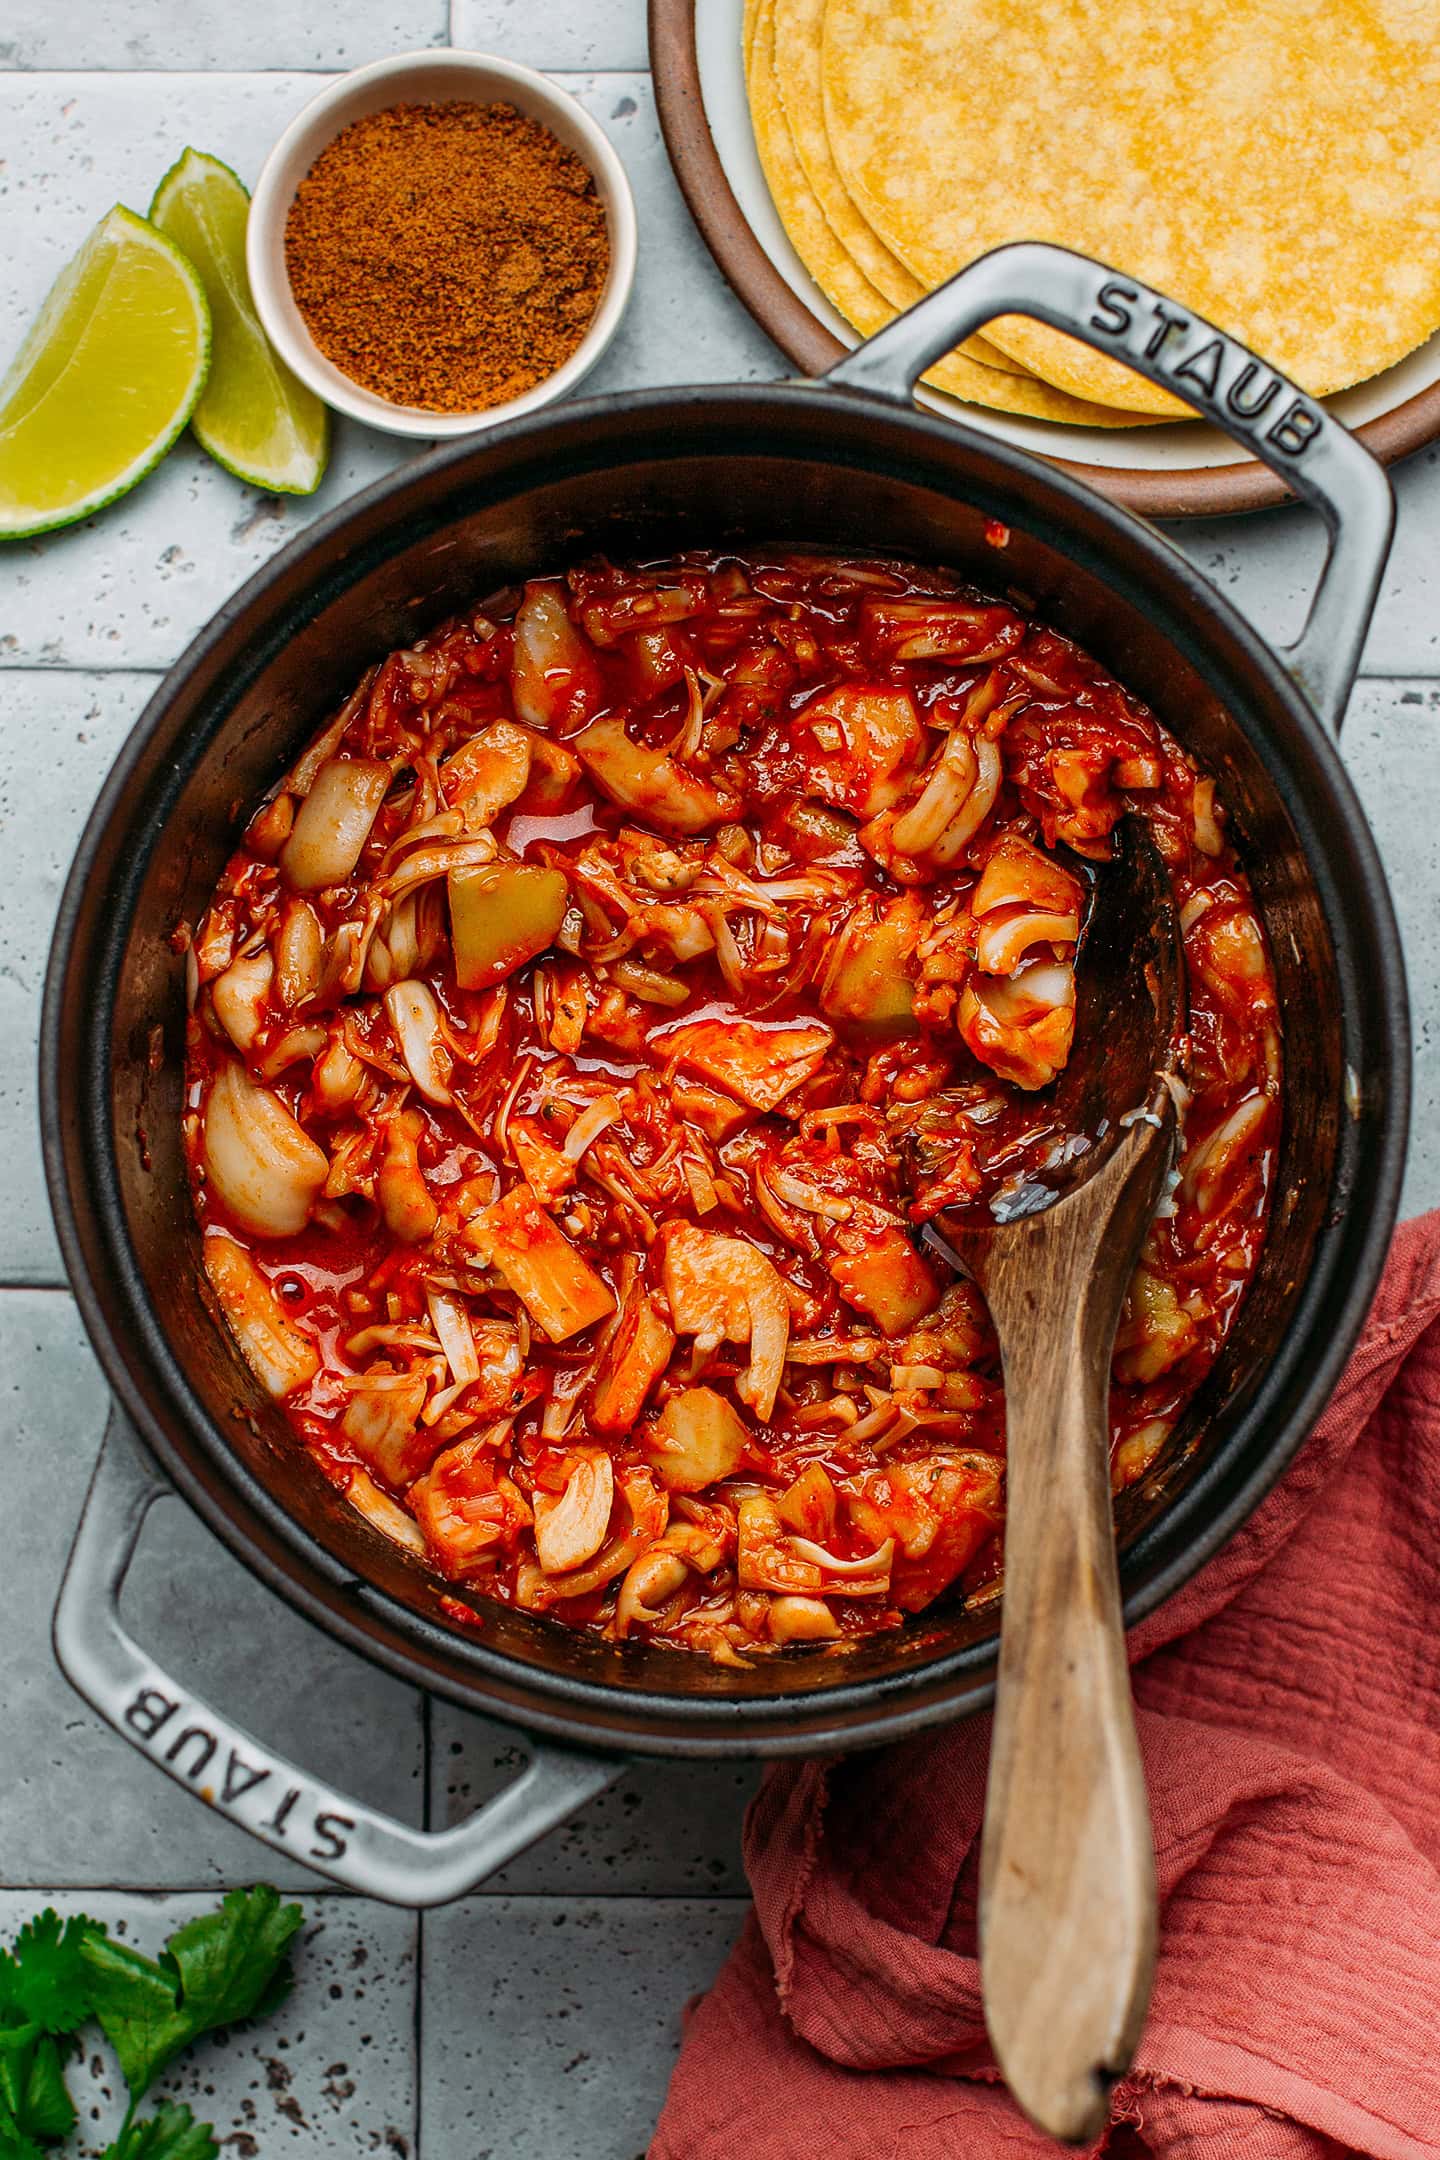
1272	165
747	33
798	25
843	285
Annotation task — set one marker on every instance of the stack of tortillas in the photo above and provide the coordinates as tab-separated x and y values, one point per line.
1274	166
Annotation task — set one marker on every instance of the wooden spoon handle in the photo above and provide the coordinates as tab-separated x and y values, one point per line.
1067	1872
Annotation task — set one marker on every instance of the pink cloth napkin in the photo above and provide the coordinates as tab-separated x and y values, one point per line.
1289	1713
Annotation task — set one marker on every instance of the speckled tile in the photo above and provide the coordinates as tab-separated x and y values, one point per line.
77	1804
82	720
1267	565
582	34
131	587
134	584
188	535
684	325
551	2025
212	34
1391	746
332	2072
550	2002
668	1829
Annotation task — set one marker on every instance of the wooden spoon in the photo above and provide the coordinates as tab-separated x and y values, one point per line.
1067	1869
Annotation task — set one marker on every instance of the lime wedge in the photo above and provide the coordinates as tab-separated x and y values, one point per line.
255	418
107	377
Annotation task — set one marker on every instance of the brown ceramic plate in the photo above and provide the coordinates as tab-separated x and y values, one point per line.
1187	470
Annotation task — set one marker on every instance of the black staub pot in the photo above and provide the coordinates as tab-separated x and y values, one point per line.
848	462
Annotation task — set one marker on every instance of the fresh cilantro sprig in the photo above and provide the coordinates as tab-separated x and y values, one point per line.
215	1970
34	2103
59	1975
171	2134
44	1976
44	1999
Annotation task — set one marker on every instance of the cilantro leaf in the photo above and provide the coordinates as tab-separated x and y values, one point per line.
213	1971
232	1963
173	2134
137	2002
44	1997
34	2102
43	1979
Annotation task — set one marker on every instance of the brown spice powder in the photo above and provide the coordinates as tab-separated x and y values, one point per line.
448	256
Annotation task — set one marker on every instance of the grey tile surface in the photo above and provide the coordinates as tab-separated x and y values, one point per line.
584	34
548	2005
215	33
1391	746
82	720
77	1805
132	591
330	2074
1267	566
550	2025
668	1829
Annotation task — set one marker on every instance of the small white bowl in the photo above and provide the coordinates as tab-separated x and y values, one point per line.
412	79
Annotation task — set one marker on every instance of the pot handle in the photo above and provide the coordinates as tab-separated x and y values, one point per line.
222	1763
1295	436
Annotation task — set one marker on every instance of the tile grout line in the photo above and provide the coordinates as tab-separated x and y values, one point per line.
427	1748
217	1887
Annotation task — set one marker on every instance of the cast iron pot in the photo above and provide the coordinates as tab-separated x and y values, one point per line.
846	462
